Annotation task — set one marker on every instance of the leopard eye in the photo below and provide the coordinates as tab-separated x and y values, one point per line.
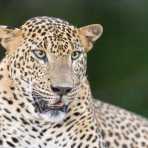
75	55
40	54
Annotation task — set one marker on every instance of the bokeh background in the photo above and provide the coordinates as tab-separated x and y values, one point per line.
118	64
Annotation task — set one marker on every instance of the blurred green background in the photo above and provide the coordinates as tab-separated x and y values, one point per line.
118	64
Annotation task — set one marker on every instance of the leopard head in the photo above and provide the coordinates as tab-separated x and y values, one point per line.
49	61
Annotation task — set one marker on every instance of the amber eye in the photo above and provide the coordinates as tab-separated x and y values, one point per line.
75	55
40	54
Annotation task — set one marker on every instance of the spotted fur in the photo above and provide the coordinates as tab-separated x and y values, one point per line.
45	98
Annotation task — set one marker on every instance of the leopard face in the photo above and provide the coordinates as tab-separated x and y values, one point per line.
48	62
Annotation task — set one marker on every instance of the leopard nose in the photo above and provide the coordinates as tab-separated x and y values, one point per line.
61	90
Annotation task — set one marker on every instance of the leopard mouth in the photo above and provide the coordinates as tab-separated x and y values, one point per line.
42	106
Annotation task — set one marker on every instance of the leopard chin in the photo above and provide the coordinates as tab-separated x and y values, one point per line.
53	116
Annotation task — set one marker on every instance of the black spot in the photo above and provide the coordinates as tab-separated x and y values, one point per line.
76	113
1	69
89	137
10	102
12	88
57	126
108	144
13	117
60	134
43	33
49	139
94	139
43	131
69	128
1	142
65	120
7	111
14	139
80	145
22	104
82	137
14	95
124	146
64	145
5	92
1	76
34	129
7	118
10	144
87	146
73	145
116	142
28	142
24	121
18	110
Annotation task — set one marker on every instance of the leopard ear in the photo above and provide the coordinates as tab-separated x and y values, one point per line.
89	34
10	38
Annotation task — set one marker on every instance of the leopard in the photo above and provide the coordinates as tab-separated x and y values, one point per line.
45	96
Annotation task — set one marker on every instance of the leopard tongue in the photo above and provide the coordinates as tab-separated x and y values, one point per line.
60	103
